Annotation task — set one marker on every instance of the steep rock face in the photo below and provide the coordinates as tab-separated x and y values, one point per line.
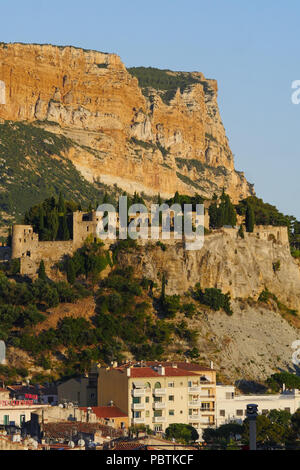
121	136
242	267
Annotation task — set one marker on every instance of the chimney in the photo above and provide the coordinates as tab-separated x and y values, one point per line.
161	370
211	364
128	371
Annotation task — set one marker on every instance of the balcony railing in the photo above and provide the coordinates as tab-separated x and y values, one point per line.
158	405
159	391
194	417
138	406
159	419
194	389
138	420
195	403
138	392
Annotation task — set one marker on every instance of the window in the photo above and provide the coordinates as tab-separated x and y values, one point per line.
171	384
147	385
171	412
171	397
158	428
222	412
157	385
157	413
229	395
147	414
6	420
239	412
205	406
147	399
136	400
137	414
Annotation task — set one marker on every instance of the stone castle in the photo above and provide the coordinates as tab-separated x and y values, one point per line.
27	247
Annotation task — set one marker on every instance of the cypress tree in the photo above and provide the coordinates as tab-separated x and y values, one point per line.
63	230
71	275
42	271
61	204
250	218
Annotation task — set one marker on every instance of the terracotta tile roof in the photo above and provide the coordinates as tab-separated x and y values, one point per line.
107	411
129	446
64	429
139	372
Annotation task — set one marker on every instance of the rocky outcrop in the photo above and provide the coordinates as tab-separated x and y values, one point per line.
120	136
242	267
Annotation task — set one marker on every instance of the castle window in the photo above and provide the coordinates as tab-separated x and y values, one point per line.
88	228
28	253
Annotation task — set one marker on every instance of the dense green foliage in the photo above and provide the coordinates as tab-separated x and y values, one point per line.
214	298
276	381
24	304
182	433
33	159
223	213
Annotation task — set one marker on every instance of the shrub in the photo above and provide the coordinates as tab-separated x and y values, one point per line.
214	298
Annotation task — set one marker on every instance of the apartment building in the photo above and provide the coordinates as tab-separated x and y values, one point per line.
232	407
159	394
81	390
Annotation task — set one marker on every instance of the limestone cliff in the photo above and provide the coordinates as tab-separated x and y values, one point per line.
242	267
121	134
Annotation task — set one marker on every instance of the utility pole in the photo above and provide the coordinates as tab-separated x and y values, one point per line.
252	415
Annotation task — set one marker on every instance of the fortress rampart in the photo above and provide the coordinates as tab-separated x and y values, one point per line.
27	247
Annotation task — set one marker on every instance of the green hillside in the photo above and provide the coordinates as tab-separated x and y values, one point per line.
33	167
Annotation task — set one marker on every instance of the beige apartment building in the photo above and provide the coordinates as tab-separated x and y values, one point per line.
158	394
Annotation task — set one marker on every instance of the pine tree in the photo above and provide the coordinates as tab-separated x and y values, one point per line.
42	271
250	218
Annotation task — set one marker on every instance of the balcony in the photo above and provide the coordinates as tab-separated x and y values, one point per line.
137	406
158	405
206	422
159	419
207	410
207	397
194	389
195	403
138	392
138	420
159	391
195	418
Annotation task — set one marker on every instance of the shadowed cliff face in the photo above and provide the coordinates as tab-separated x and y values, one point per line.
122	135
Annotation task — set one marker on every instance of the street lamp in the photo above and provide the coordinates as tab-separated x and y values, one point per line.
252	415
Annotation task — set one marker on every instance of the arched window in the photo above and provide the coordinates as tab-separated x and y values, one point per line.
157	385
147	385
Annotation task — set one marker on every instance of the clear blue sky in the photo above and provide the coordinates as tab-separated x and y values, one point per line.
251	48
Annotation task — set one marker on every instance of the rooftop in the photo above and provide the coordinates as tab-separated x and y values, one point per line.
106	411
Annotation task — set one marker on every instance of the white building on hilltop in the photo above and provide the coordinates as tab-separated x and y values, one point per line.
232	407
